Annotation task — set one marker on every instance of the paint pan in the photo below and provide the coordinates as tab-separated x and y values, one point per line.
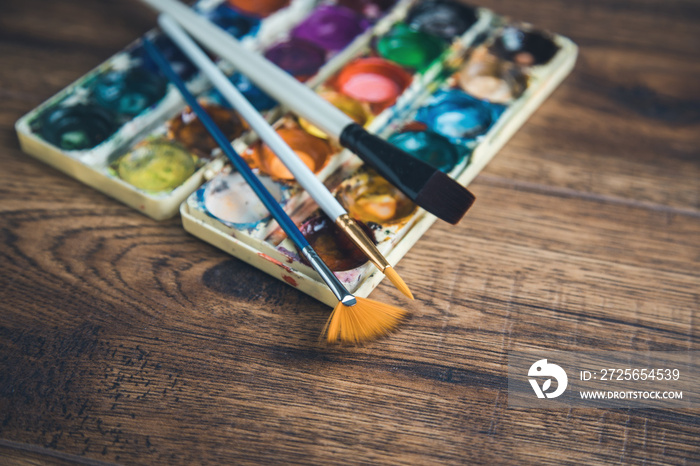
260	100
229	204
371	199
298	57
331	27
334	247
456	115
229	199
407	47
76	127
372	10
128	93
524	47
489	78
428	146
313	151
156	166
232	21
442	18
186	129
373	80
258	8
360	112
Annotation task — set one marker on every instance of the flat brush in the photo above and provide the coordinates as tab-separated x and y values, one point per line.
428	187
354	319
304	176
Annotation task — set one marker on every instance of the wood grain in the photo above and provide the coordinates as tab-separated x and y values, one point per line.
124	340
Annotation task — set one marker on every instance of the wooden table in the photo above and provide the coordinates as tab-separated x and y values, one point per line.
125	340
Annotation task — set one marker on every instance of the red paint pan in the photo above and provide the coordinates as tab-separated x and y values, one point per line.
373	80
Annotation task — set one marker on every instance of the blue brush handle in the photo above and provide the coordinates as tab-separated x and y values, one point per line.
267	199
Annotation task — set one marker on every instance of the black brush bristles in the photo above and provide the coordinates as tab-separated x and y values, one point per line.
426	186
447	201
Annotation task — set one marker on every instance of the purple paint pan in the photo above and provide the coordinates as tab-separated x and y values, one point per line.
298	57
331	27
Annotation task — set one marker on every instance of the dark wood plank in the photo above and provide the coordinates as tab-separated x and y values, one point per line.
13	453
124	340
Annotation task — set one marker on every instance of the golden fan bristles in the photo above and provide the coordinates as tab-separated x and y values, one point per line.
365	321
397	281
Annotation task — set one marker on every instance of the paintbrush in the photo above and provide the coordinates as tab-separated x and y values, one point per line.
354	319
304	176
428	187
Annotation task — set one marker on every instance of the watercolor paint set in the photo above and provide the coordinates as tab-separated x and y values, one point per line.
445	82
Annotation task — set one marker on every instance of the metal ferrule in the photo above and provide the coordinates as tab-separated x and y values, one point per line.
329	277
360	238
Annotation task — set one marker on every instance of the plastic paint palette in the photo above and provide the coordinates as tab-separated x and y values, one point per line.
86	127
453	103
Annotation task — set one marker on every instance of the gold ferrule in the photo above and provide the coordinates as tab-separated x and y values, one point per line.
364	242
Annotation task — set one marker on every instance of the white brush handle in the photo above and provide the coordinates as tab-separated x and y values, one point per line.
306	178
266	75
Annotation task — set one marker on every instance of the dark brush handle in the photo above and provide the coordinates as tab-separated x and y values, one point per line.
401	169
425	185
